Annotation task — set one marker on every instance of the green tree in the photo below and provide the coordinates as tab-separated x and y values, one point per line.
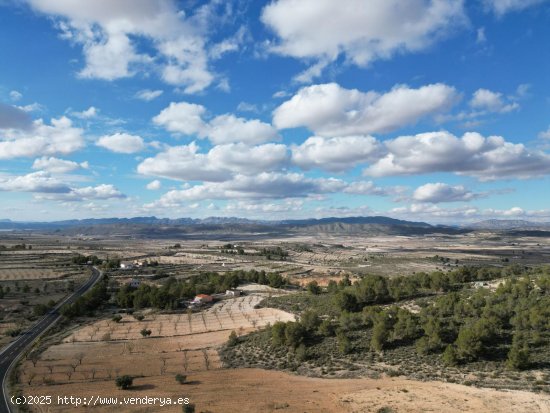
518	356
124	382
188	408
233	339
449	356
344	343
313	287
181	378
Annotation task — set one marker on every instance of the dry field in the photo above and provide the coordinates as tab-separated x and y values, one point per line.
180	343
257	391
13	274
84	365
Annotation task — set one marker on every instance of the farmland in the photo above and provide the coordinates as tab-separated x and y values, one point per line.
153	342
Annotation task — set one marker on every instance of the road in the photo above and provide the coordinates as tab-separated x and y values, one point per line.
10	354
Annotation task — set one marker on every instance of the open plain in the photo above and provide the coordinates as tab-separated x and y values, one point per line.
83	356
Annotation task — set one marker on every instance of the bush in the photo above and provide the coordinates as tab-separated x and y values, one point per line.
117	318
188	408
139	317
124	382
145	333
313	287
233	339
181	378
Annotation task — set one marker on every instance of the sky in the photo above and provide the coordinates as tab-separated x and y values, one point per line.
425	110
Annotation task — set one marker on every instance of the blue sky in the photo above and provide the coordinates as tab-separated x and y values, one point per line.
433	110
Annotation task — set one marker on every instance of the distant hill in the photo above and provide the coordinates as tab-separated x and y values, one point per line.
152	227
509	224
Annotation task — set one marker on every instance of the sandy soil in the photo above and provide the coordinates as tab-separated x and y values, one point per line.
254	391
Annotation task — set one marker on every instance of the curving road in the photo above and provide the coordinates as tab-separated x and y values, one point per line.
10	354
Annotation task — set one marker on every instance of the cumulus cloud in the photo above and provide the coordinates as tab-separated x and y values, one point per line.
369	188
545	134
441	192
40	139
189	119
182	117
324	29
99	192
229	128
121	143
109	33
40	182
331	110
148	94
501	7
472	154
57	166
89	113
290	205
462	214
266	185
334	154
154	185
15	95
46	187
12	117
186	163
487	100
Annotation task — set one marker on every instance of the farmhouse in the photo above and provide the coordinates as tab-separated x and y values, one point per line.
232	293
126	266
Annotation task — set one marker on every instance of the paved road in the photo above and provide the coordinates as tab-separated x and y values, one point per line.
10	354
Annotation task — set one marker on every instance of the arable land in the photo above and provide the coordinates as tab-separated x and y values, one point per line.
298	322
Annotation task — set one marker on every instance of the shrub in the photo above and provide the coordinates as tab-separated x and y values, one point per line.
181	378
233	339
124	382
188	408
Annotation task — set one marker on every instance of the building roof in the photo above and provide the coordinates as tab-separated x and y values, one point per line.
203	296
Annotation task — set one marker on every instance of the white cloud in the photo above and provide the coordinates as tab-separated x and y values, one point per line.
109	33
154	185
334	154
188	119
89	113
325	29
57	166
440	192
266	185
60	137
39	181
219	164
474	155
12	117
545	134
182	117
501	7
290	205
99	192
369	188
247	107
487	100
229	128
481	37
103	191
15	95
121	143
463	214
148	94
330	110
